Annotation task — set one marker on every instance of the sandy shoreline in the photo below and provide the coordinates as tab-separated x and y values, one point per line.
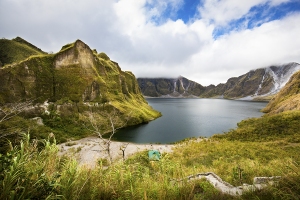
88	151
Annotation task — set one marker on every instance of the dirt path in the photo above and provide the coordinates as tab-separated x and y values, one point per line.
89	150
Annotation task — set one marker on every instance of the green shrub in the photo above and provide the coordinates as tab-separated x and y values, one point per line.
103	56
267	128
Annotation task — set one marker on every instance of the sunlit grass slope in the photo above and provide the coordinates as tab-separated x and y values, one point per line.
16	50
288	98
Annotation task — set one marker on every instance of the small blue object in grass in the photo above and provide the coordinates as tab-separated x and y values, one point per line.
154	155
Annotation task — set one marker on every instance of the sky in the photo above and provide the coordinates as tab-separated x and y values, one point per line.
207	41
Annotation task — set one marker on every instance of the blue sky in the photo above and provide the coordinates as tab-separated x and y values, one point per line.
207	41
188	10
259	15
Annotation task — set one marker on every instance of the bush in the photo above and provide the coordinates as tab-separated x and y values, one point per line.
103	56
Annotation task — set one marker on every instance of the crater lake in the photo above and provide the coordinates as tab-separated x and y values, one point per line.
185	118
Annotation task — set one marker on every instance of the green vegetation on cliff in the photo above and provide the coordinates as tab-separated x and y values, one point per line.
67	86
16	50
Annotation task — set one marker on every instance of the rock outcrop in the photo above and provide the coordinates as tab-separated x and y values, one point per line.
73	82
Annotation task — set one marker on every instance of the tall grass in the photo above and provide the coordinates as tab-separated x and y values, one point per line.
32	173
288	187
27	172
32	170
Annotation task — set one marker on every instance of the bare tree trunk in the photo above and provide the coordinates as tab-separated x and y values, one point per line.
112	119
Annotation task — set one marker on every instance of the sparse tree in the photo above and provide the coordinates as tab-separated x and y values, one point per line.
11	110
113	118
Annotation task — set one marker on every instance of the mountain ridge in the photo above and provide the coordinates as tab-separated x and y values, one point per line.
258	84
170	87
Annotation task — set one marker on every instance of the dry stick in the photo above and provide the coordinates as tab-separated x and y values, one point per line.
123	148
10	112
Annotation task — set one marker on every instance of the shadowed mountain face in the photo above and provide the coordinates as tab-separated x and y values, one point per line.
164	87
74	80
259	84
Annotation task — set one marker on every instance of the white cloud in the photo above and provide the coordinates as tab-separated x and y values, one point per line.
52	23
125	30
234	54
222	12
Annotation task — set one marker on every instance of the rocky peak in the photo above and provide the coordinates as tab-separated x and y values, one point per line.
76	53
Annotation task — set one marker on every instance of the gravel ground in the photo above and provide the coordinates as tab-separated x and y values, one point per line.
89	150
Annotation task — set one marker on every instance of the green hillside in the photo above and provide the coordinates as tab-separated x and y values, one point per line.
16	50
288	98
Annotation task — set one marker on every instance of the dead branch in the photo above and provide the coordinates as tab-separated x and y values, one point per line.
9	111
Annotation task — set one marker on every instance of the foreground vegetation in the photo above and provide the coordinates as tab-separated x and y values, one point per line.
33	169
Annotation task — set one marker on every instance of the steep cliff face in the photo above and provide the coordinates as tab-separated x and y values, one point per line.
259	84
73	82
168	87
288	98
